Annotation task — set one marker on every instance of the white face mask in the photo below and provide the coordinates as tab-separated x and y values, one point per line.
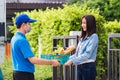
29	29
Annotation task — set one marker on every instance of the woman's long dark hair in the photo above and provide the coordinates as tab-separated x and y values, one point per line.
90	24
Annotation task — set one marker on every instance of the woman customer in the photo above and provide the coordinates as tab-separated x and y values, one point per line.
85	55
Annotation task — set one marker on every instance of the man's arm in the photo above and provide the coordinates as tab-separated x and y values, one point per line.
35	60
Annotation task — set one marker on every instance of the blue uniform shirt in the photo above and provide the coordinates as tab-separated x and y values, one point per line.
86	49
21	51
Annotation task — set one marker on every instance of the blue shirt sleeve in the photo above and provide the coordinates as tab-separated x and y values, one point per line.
89	50
71	57
25	49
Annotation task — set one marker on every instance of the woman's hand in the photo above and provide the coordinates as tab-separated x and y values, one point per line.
68	63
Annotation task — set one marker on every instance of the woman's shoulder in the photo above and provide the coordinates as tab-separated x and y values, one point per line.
94	35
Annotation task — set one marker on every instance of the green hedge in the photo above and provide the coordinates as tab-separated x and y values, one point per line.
113	27
7	71
59	22
40	71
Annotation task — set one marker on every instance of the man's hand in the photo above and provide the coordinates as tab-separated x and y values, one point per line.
55	63
68	63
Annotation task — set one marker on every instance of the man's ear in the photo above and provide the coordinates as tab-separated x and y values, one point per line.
23	24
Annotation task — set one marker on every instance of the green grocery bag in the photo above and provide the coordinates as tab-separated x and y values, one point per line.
1	76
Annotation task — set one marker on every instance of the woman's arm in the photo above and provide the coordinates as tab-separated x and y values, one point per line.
90	49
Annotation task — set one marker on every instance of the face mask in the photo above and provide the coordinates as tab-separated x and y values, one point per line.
29	29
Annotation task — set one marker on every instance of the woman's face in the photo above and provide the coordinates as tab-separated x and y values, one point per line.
84	27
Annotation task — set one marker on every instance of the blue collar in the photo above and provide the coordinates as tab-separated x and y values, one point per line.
84	39
19	33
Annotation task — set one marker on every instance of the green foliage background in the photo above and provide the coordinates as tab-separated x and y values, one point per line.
110	9
59	22
41	72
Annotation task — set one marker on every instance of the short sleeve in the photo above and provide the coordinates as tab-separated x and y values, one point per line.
25	49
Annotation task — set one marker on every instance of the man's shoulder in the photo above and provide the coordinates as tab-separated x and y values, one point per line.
18	39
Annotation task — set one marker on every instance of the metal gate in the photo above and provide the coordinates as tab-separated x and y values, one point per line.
65	72
114	56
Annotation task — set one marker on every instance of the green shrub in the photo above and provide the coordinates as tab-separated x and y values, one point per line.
43	72
7	71
113	27
40	71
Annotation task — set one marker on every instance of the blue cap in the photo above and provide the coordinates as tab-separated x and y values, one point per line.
22	19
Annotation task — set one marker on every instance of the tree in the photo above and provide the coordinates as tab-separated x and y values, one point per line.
110	9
